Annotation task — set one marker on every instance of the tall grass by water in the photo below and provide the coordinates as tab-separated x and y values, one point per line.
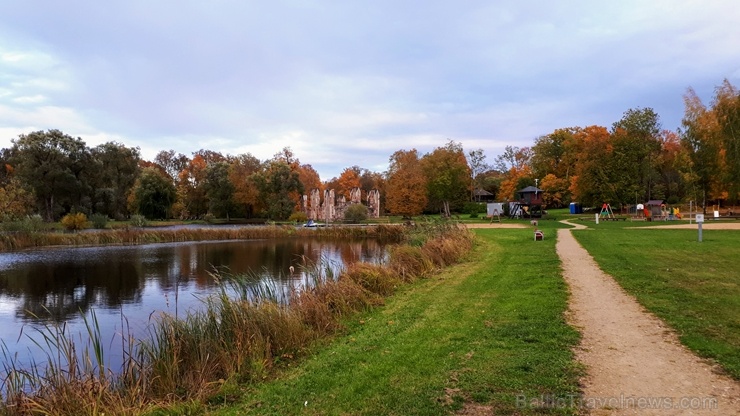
239	337
485	336
19	240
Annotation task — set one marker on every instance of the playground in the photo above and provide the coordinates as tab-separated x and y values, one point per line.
627	350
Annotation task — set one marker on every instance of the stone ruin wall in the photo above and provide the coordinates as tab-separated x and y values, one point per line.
332	209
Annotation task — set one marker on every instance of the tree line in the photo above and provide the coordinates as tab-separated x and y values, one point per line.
51	173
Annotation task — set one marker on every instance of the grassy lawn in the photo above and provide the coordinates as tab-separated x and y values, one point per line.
694	287
484	332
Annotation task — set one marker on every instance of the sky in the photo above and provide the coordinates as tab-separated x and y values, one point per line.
346	83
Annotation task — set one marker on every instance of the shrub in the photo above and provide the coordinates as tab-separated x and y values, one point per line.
298	217
33	223
355	214
474	208
209	218
99	221
138	221
29	224
74	222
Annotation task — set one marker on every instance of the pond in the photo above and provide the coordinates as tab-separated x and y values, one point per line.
127	286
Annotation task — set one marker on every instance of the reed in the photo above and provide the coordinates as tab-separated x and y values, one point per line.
11	241
239	336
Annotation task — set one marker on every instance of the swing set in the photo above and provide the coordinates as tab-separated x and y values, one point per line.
607	213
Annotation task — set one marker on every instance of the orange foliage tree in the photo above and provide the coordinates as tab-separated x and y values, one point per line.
406	185
348	179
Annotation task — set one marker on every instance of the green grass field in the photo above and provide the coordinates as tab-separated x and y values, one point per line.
488	332
693	286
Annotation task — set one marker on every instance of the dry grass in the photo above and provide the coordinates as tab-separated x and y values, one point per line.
11	241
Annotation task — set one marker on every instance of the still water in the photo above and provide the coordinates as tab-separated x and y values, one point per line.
128	286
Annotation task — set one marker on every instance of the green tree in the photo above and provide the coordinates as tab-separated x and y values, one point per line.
554	154
448	178
700	137
726	107
278	184
117	168
153	194
53	165
636	145
220	190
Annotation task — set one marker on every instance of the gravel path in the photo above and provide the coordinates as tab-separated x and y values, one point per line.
634	362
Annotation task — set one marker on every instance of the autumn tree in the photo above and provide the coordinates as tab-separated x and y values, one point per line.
406	185
309	178
555	191
448	178
516	178
592	182
671	165
15	200
172	163
191	189
515	166
348	179
513	157
242	169
209	156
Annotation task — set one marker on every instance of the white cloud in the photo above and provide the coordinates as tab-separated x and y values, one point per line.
33	99
349	83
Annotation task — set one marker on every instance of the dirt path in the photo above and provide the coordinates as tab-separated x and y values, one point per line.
634	363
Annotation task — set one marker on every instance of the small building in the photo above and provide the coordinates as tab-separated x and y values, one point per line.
529	203
481	195
530	195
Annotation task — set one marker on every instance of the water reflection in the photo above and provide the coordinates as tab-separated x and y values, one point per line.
57	285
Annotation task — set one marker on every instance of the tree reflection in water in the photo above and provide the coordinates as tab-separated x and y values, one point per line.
60	285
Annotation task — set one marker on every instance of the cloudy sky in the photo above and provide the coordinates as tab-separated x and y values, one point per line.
347	83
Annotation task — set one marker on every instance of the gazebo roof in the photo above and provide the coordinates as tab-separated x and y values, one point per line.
482	192
654	202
